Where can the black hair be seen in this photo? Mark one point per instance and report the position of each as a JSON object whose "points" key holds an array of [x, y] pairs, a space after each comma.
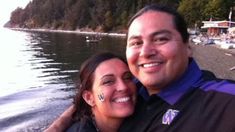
{"points": [[86, 79], [179, 21]]}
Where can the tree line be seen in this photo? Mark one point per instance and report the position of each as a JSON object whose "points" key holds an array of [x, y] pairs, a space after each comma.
{"points": [[108, 15]]}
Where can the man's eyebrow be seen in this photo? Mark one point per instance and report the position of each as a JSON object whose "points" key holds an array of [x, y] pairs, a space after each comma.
{"points": [[161, 32], [164, 31], [134, 37]]}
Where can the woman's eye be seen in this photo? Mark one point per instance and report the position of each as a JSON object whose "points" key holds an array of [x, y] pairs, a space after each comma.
{"points": [[108, 82], [128, 76]]}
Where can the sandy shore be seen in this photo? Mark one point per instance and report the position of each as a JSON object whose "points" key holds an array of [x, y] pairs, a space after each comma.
{"points": [[70, 31], [220, 61]]}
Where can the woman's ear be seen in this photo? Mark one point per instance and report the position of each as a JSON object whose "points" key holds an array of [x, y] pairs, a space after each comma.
{"points": [[88, 97]]}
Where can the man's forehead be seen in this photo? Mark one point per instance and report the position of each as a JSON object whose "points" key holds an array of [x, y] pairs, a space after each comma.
{"points": [[151, 18]]}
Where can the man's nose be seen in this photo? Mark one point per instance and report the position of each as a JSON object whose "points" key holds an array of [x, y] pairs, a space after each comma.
{"points": [[147, 49]]}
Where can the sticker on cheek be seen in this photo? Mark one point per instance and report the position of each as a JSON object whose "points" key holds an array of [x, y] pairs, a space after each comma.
{"points": [[101, 97]]}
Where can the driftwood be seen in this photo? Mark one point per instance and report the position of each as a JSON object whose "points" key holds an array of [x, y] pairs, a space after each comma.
{"points": [[232, 68]]}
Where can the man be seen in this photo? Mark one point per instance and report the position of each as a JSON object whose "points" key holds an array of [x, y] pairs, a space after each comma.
{"points": [[176, 95]]}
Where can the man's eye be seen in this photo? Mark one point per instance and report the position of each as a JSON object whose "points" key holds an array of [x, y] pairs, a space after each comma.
{"points": [[135, 43], [161, 40]]}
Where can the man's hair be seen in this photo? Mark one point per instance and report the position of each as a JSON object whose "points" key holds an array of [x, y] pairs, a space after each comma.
{"points": [[180, 24]]}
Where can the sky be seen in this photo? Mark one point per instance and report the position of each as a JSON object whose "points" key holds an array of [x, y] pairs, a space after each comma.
{"points": [[7, 6]]}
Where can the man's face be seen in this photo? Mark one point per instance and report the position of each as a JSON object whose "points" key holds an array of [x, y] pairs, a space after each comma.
{"points": [[155, 51]]}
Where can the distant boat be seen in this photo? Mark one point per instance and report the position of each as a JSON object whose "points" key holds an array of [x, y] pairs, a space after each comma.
{"points": [[232, 68], [92, 39], [196, 40], [202, 40], [225, 44]]}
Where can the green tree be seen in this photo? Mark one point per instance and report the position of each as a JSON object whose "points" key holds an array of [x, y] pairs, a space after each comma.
{"points": [[218, 9], [192, 10], [124, 18], [108, 25], [104, 15], [16, 16]]}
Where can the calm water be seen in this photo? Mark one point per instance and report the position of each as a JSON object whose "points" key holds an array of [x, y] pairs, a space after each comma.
{"points": [[38, 73]]}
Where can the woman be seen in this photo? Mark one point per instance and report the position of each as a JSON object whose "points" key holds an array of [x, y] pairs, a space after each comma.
{"points": [[106, 94]]}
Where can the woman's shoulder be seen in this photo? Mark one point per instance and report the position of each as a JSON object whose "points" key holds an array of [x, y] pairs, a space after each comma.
{"points": [[84, 126], [74, 127]]}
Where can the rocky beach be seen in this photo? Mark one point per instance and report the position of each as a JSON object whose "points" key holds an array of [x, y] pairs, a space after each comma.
{"points": [[219, 61]]}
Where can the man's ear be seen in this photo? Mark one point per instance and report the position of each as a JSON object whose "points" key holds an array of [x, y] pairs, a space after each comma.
{"points": [[189, 50], [88, 97]]}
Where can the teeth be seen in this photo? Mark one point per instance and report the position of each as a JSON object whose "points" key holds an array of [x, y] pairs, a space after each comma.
{"points": [[120, 100], [151, 64]]}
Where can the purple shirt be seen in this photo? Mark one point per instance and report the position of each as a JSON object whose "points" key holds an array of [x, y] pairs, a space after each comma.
{"points": [[192, 78]]}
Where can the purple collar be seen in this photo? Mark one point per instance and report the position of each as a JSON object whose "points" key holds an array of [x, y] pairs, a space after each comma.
{"points": [[173, 92]]}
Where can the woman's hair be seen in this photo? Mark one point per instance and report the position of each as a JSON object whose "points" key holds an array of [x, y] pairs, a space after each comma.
{"points": [[180, 24], [86, 80]]}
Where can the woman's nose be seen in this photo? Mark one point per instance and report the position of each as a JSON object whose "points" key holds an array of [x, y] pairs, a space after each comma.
{"points": [[122, 86]]}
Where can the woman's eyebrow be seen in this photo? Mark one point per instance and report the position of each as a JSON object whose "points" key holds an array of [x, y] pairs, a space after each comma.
{"points": [[107, 75]]}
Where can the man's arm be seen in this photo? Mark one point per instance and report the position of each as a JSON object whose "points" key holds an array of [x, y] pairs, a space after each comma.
{"points": [[63, 121]]}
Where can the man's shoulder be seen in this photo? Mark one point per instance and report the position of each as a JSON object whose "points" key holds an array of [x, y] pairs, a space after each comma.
{"points": [[212, 83]]}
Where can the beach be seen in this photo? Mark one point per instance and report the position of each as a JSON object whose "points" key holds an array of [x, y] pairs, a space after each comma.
{"points": [[212, 58], [70, 31]]}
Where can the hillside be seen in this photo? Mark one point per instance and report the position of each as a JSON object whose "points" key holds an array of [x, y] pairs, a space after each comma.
{"points": [[106, 15]]}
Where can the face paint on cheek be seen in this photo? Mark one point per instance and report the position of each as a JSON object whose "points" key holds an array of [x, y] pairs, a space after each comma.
{"points": [[101, 97]]}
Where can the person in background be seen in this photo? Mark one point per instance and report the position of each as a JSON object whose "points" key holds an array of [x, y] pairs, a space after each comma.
{"points": [[106, 94], [174, 94]]}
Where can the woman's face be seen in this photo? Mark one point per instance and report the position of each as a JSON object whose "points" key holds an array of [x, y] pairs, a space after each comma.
{"points": [[113, 92]]}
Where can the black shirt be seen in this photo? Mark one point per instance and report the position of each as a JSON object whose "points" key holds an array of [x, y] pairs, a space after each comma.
{"points": [[197, 102]]}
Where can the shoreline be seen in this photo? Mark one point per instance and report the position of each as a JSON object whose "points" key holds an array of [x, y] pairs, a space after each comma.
{"points": [[70, 31], [229, 51], [213, 58], [226, 52]]}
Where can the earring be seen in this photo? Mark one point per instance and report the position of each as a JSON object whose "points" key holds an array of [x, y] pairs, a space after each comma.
{"points": [[101, 97]]}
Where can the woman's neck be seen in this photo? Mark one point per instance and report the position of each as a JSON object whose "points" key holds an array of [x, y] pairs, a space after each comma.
{"points": [[107, 125]]}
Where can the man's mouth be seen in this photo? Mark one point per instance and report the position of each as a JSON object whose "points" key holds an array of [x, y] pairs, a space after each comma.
{"points": [[147, 65]]}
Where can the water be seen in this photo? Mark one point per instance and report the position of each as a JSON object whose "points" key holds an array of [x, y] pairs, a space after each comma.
{"points": [[38, 75], [38, 70]]}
